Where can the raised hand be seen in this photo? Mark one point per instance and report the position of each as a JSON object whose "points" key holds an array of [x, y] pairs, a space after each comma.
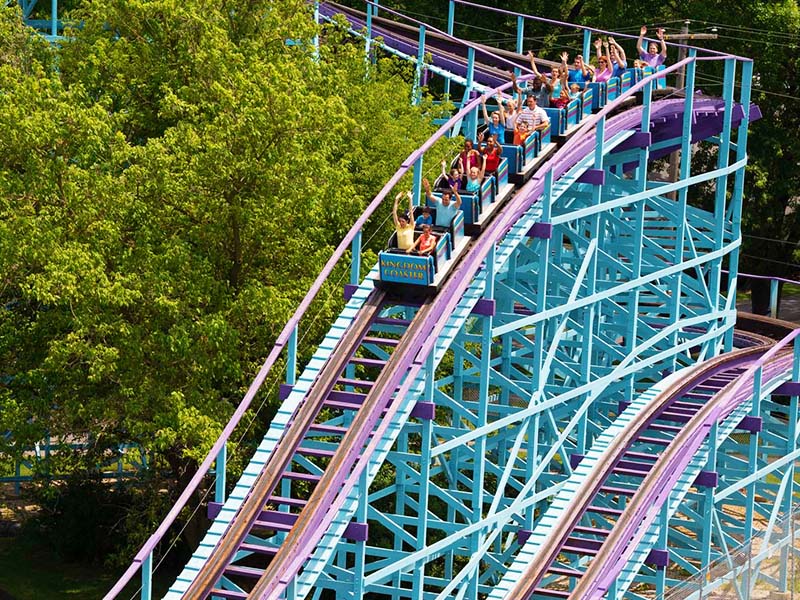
{"points": [[660, 33], [564, 57], [598, 43], [643, 30]]}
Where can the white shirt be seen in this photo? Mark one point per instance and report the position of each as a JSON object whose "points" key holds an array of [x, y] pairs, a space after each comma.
{"points": [[533, 117]]}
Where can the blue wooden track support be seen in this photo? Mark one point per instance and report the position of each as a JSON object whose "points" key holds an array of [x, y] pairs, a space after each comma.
{"points": [[453, 447]]}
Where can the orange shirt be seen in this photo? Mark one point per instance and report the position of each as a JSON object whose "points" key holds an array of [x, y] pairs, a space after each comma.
{"points": [[427, 243], [520, 136]]}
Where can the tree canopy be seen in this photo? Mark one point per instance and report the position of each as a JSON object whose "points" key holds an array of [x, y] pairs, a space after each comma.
{"points": [[172, 178]]}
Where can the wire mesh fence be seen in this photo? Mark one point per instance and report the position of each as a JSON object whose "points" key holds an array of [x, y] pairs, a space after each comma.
{"points": [[766, 567]]}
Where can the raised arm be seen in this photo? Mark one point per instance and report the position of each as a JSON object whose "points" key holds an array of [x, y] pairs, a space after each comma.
{"points": [[621, 58], [483, 108], [427, 185], [483, 167], [457, 196], [660, 35], [501, 109], [533, 64], [394, 210], [410, 206], [515, 85], [598, 47], [640, 42], [444, 168]]}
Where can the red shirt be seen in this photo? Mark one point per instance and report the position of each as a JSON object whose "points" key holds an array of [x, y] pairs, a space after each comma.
{"points": [[493, 157], [427, 243]]}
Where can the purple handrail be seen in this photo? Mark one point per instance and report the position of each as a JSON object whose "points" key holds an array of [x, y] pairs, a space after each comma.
{"points": [[445, 302], [478, 48], [768, 277], [585, 28], [646, 505]]}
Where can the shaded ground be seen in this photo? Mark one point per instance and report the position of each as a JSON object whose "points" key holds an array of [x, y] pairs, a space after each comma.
{"points": [[788, 308]]}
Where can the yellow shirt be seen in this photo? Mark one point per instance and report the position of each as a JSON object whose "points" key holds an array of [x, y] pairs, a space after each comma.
{"points": [[405, 237]]}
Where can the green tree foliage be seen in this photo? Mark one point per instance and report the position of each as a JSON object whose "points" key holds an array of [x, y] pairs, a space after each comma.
{"points": [[167, 195]]}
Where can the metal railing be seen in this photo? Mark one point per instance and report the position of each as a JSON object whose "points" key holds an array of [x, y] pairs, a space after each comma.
{"points": [[762, 567]]}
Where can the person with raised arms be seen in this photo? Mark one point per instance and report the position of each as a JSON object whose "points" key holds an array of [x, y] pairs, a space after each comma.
{"points": [[652, 57], [446, 208], [402, 222]]}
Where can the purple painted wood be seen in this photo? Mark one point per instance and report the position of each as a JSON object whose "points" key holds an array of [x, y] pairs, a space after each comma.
{"points": [[551, 593], [485, 307], [709, 479], [368, 362], [228, 594], [658, 558], [296, 502], [582, 544], [575, 460], [358, 383], [284, 390], [634, 467], [380, 341], [241, 571], [640, 139], [259, 549], [751, 424], [352, 398], [789, 388], [523, 535], [593, 176], [357, 532], [349, 290], [424, 410], [541, 230], [316, 452]]}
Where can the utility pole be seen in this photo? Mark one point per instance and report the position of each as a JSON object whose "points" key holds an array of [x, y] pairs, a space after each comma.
{"points": [[683, 36]]}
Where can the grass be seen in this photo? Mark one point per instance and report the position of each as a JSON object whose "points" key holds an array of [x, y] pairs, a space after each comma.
{"points": [[31, 572]]}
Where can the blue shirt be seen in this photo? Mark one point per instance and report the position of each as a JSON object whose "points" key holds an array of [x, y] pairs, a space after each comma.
{"points": [[577, 76], [445, 214], [499, 131], [423, 220]]}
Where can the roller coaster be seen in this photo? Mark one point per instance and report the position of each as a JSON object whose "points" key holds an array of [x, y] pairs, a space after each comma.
{"points": [[577, 413]]}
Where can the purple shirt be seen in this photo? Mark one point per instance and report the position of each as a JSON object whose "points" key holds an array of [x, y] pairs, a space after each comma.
{"points": [[603, 75], [652, 60]]}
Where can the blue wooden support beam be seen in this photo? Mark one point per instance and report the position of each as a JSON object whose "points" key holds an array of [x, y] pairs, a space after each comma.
{"points": [[416, 93]]}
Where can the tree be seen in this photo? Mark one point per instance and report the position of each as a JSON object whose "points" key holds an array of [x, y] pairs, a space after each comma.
{"points": [[166, 197]]}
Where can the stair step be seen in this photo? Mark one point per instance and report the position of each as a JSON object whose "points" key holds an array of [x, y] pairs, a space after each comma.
{"points": [[380, 341], [296, 502], [228, 594], [359, 383], [551, 593], [316, 452], [604, 510], [244, 571]]}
